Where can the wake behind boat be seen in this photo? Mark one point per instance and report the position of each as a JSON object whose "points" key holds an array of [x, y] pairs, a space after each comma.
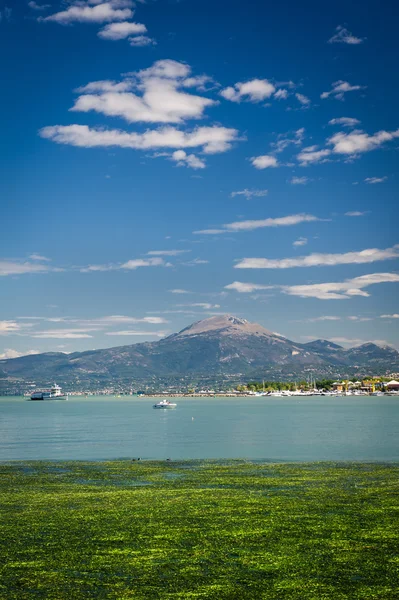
{"points": [[165, 404], [54, 393]]}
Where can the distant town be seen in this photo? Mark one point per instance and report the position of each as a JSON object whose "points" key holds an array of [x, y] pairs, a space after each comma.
{"points": [[375, 385]]}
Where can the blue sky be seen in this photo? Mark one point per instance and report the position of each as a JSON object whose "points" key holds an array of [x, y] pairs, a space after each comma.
{"points": [[167, 161]]}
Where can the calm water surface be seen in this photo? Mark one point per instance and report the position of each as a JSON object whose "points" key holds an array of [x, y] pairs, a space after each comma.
{"points": [[275, 429]]}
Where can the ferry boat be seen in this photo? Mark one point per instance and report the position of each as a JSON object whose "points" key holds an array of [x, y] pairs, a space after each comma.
{"points": [[165, 404], [54, 393]]}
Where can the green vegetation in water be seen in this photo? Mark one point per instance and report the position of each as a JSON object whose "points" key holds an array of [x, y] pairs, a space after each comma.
{"points": [[199, 530]]}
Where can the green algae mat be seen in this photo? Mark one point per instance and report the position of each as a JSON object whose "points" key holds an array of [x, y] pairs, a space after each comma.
{"points": [[199, 529]]}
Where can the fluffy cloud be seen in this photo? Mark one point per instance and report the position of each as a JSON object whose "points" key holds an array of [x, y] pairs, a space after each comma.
{"points": [[160, 98], [343, 36], [119, 31], [167, 252], [142, 40], [248, 194], [344, 121], [304, 100], [187, 160], [129, 265], [323, 291], [7, 327], [39, 257], [281, 94], [341, 290], [21, 268], [257, 224], [373, 180], [299, 180], [93, 12], [35, 6], [340, 88], [255, 90], [264, 162], [62, 334], [317, 259], [309, 156], [358, 141], [212, 139], [302, 241], [355, 213], [287, 139], [247, 288], [10, 353]]}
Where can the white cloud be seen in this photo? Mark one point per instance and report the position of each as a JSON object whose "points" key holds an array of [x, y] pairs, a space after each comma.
{"points": [[317, 259], [212, 139], [128, 265], [162, 99], [199, 81], [39, 257], [167, 252], [143, 262], [304, 100], [393, 316], [142, 40], [264, 162], [255, 90], [99, 13], [188, 160], [195, 262], [310, 156], [105, 85], [281, 94], [343, 36], [287, 139], [340, 88], [118, 319], [10, 353], [341, 290], [119, 31], [373, 180], [35, 6], [323, 291], [257, 224], [210, 231], [302, 241], [324, 318], [204, 305], [358, 141], [344, 121], [128, 332], [7, 327], [350, 144], [245, 288], [179, 291], [248, 194], [21, 268], [300, 180], [60, 334], [355, 213]]}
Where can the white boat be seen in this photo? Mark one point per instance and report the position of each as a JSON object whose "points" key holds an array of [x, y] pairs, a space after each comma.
{"points": [[165, 404], [54, 393]]}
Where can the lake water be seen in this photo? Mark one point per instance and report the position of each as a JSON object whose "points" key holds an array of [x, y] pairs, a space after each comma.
{"points": [[273, 429]]}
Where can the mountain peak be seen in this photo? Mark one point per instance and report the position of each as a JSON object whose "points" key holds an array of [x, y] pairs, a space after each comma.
{"points": [[224, 325]]}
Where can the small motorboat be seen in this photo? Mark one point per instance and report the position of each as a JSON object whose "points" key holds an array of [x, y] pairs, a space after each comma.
{"points": [[165, 404]]}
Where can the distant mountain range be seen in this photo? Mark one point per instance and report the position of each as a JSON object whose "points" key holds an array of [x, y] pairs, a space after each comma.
{"points": [[222, 349]]}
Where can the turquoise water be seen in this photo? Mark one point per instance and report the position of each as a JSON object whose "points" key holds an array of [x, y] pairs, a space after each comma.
{"points": [[275, 429]]}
